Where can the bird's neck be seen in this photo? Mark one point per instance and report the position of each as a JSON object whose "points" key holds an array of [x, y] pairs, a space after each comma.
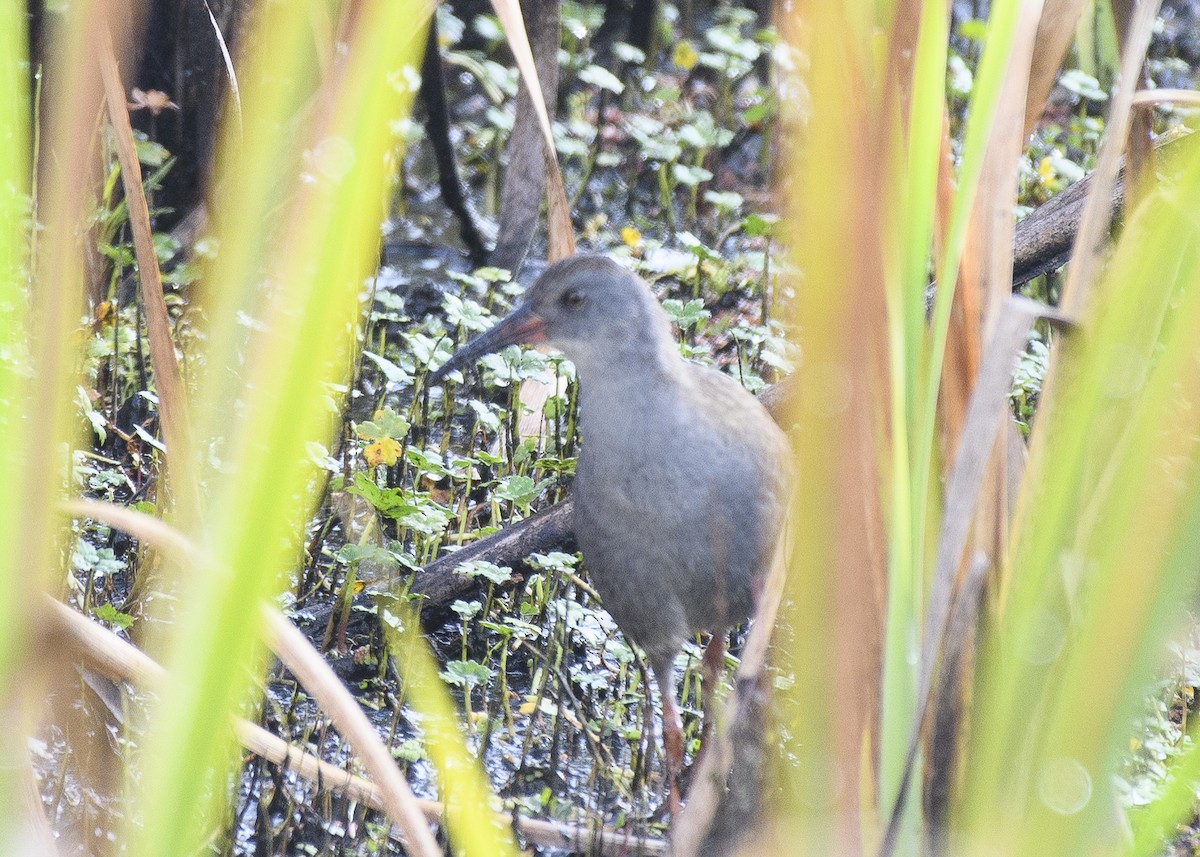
{"points": [[626, 406], [626, 371]]}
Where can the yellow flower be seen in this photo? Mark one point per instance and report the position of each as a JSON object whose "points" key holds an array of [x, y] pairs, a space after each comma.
{"points": [[106, 313], [685, 55], [1045, 170], [386, 450], [631, 237]]}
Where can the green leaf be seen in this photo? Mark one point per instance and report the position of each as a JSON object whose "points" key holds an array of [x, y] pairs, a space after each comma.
{"points": [[487, 417], [413, 510], [628, 53], [689, 175], [487, 570], [395, 425], [466, 313], [973, 29], [466, 674], [519, 489], [395, 374], [1083, 85], [466, 610], [165, 247], [724, 201], [686, 315], [602, 78], [758, 225], [428, 460], [107, 613], [488, 26], [87, 558], [150, 153], [554, 561]]}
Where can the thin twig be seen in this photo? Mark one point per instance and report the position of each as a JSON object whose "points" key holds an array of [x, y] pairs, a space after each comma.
{"points": [[1158, 96]]}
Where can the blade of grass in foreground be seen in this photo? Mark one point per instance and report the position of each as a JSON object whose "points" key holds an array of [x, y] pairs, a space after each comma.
{"points": [[836, 169], [464, 787], [912, 508], [41, 300], [985, 96], [15, 217], [915, 172], [42, 420], [302, 197]]}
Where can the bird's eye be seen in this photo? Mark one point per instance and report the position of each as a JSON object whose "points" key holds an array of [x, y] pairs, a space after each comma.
{"points": [[573, 298]]}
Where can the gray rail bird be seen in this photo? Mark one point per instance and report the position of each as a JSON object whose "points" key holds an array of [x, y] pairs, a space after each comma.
{"points": [[681, 480]]}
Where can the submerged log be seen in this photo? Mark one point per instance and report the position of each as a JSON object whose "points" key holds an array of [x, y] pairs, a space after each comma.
{"points": [[548, 530]]}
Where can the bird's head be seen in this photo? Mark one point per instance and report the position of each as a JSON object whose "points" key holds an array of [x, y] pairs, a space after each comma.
{"points": [[590, 308]]}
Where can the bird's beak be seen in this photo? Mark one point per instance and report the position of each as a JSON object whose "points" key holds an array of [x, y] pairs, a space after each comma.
{"points": [[519, 326]]}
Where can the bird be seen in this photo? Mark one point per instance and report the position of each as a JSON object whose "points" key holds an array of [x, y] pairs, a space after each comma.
{"points": [[682, 477]]}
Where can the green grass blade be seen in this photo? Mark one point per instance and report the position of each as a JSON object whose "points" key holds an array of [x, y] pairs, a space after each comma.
{"points": [[463, 785], [916, 171], [981, 115]]}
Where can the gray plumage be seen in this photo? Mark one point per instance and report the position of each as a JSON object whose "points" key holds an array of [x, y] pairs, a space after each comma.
{"points": [[681, 480]]}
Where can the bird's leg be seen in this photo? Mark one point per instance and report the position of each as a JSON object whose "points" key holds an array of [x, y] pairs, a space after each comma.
{"points": [[672, 732], [714, 661], [673, 744]]}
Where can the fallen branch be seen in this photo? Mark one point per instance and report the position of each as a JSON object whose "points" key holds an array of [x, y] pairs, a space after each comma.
{"points": [[1043, 238], [550, 529]]}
